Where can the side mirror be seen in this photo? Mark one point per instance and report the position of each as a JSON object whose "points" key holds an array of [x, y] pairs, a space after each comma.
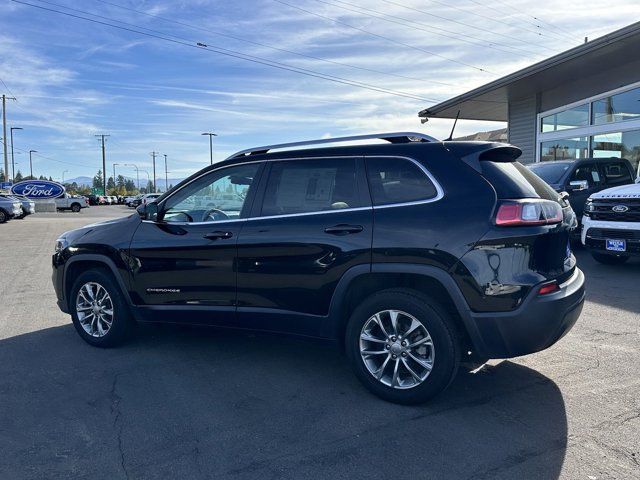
{"points": [[148, 211], [578, 185]]}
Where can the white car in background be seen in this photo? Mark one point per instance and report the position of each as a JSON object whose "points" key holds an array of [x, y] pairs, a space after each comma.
{"points": [[611, 224]]}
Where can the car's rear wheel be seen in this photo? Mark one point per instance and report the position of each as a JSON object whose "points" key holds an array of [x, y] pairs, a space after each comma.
{"points": [[3, 216], [402, 346], [609, 259], [75, 208], [99, 312]]}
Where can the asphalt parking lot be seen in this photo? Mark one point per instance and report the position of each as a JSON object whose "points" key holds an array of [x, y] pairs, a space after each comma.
{"points": [[196, 403]]}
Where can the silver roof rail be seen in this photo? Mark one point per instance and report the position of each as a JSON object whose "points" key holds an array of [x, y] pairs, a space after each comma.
{"points": [[395, 137]]}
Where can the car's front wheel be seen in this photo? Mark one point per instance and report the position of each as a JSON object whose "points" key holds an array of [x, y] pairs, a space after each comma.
{"points": [[403, 346], [609, 259], [3, 216], [75, 208], [99, 312]]}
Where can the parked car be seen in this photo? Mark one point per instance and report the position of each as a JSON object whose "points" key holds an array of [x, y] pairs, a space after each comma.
{"points": [[93, 200], [74, 203], [611, 224], [27, 205], [129, 199], [9, 208], [411, 254], [149, 197], [585, 177]]}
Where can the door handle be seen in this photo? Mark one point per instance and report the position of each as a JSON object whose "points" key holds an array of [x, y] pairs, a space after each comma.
{"points": [[343, 229], [217, 235]]}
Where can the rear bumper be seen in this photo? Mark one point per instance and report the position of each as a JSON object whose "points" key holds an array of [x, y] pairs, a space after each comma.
{"points": [[537, 324]]}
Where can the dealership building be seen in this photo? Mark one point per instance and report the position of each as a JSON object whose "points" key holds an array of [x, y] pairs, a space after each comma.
{"points": [[584, 102]]}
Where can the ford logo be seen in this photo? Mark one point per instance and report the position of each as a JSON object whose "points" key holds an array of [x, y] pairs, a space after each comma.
{"points": [[36, 189], [620, 208]]}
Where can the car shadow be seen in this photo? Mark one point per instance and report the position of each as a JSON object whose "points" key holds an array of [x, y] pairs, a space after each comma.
{"points": [[202, 403]]}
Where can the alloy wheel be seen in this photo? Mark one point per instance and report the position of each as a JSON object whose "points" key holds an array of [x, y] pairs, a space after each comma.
{"points": [[94, 308], [397, 349]]}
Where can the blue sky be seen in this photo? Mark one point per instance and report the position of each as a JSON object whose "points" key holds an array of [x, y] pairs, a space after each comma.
{"points": [[74, 79]]}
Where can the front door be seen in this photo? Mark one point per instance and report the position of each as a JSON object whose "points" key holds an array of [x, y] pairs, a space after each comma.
{"points": [[586, 172], [313, 224], [185, 260]]}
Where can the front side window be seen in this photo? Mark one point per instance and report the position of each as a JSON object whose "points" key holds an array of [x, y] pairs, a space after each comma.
{"points": [[587, 172], [217, 196], [398, 180], [306, 186]]}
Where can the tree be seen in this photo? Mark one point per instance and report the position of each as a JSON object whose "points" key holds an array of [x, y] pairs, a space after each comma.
{"points": [[149, 186], [130, 186], [18, 177], [111, 186], [97, 180], [120, 182], [2, 179]]}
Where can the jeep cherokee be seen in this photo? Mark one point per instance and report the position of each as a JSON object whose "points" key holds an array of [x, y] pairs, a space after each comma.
{"points": [[414, 254]]}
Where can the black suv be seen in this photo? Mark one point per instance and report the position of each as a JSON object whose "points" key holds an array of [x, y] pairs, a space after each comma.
{"points": [[415, 255], [582, 178]]}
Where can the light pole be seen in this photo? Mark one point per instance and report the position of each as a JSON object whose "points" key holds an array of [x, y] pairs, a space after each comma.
{"points": [[63, 172], [211, 135], [137, 173], [13, 165], [148, 179], [31, 163], [166, 176], [114, 174]]}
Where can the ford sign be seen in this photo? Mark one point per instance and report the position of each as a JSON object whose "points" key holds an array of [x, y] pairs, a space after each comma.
{"points": [[620, 208], [38, 189]]}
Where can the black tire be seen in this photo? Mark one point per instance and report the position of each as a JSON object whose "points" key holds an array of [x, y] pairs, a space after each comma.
{"points": [[75, 208], [3, 216], [440, 327], [609, 259], [122, 324]]}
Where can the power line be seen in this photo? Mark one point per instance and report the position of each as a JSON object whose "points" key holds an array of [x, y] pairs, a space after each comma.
{"points": [[413, 47], [475, 27], [227, 52], [409, 23], [279, 49], [558, 35]]}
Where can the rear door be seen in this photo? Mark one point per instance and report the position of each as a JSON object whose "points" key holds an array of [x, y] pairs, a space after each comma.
{"points": [[313, 224]]}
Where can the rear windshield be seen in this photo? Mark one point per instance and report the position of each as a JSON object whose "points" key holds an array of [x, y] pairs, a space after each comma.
{"points": [[514, 180], [550, 172]]}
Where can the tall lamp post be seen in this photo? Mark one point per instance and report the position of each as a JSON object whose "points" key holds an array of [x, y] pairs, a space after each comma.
{"points": [[31, 163], [148, 179], [114, 173], [137, 173], [13, 165], [211, 135], [166, 175], [63, 172]]}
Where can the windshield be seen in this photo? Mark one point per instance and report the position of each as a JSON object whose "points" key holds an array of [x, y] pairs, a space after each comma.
{"points": [[550, 172]]}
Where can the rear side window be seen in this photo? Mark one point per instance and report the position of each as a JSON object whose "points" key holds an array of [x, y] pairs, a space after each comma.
{"points": [[616, 173], [514, 180], [306, 186], [397, 180]]}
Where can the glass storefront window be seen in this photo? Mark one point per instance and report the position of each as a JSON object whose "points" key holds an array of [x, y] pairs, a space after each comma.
{"points": [[617, 108], [565, 149], [619, 145], [571, 118]]}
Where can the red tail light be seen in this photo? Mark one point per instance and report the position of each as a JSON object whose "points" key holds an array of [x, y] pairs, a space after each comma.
{"points": [[528, 212], [548, 288]]}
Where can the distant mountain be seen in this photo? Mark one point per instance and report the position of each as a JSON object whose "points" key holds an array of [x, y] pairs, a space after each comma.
{"points": [[88, 181]]}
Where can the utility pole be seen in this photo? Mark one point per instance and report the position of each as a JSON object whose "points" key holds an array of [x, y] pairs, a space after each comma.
{"points": [[13, 164], [4, 135], [31, 163], [153, 154], [211, 135], [104, 164], [166, 176]]}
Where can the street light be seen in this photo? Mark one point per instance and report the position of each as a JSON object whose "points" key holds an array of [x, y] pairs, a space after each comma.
{"points": [[114, 173], [31, 163], [166, 175], [137, 173], [63, 172], [148, 180], [13, 165], [211, 135]]}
